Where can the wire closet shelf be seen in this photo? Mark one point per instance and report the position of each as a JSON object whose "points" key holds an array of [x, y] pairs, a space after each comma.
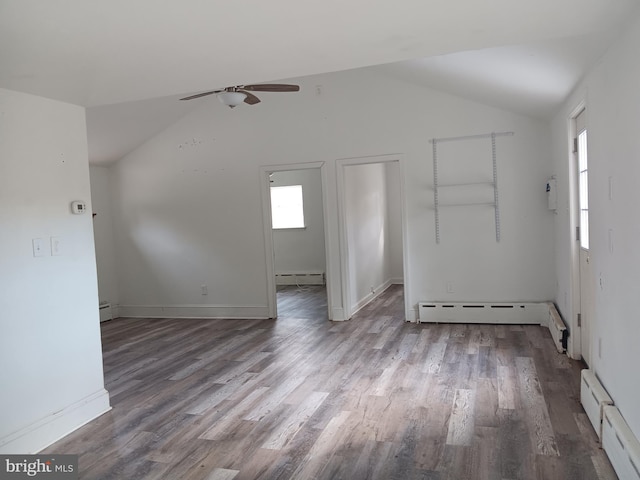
{"points": [[437, 186]]}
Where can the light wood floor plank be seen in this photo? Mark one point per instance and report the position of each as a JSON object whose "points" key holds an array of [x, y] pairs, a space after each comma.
{"points": [[222, 474], [220, 394], [535, 407], [233, 415], [281, 436], [323, 449], [434, 359], [275, 396], [507, 388], [461, 422]]}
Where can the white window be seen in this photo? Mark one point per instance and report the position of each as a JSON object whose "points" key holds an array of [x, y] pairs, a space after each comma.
{"points": [[286, 207], [583, 176]]}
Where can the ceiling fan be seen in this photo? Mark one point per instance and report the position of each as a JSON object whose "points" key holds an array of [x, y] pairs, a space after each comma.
{"points": [[234, 96]]}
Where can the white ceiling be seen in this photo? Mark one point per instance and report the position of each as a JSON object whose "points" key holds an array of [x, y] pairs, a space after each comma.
{"points": [[532, 79], [129, 60]]}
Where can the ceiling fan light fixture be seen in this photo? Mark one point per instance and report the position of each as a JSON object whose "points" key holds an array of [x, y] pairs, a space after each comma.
{"points": [[231, 99]]}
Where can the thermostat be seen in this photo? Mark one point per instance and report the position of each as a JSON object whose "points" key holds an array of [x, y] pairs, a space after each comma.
{"points": [[78, 207]]}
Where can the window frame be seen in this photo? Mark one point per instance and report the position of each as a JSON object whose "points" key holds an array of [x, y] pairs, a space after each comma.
{"points": [[583, 187]]}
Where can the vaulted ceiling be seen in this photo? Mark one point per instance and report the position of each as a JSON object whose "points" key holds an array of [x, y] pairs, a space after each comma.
{"points": [[127, 59]]}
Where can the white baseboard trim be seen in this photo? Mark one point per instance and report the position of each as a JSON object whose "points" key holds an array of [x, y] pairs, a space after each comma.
{"points": [[397, 281], [250, 312], [362, 302], [377, 291], [42, 433]]}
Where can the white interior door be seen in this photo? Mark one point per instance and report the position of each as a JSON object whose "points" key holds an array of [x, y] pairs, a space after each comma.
{"points": [[587, 306]]}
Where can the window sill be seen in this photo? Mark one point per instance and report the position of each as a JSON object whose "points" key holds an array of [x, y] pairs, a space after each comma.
{"points": [[289, 229]]}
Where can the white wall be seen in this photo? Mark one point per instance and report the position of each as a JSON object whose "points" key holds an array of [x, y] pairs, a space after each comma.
{"points": [[187, 204], [106, 257], [394, 218], [301, 250], [367, 231], [50, 352], [613, 120]]}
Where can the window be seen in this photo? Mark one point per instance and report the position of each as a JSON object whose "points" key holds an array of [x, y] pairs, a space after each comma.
{"points": [[583, 177], [286, 207]]}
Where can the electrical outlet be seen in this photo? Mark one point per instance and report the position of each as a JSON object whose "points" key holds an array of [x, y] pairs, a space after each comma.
{"points": [[449, 287], [205, 289]]}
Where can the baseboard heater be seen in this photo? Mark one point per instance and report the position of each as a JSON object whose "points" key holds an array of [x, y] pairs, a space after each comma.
{"points": [[620, 445], [300, 278], [493, 313], [594, 398], [558, 329], [106, 312]]}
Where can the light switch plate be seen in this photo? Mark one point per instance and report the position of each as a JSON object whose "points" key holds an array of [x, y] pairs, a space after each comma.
{"points": [[56, 246], [38, 249]]}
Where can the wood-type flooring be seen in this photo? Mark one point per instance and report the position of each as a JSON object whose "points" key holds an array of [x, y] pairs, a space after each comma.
{"points": [[304, 398]]}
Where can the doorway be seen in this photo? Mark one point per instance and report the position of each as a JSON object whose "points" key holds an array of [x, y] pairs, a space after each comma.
{"points": [[582, 259], [295, 240], [372, 228], [586, 272]]}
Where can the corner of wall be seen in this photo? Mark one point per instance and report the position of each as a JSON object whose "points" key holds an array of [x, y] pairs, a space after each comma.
{"points": [[42, 433]]}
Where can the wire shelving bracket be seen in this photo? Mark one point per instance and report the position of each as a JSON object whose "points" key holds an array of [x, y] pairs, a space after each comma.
{"points": [[437, 186]]}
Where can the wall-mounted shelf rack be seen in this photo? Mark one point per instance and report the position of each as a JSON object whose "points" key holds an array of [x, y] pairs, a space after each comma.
{"points": [[470, 204], [466, 184], [438, 186]]}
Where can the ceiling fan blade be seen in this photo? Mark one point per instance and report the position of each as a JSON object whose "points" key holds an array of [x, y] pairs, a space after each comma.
{"points": [[271, 87], [201, 95], [250, 99]]}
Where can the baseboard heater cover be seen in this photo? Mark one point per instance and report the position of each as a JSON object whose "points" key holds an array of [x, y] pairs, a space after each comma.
{"points": [[594, 398], [558, 329], [106, 312], [300, 278], [620, 444], [481, 312]]}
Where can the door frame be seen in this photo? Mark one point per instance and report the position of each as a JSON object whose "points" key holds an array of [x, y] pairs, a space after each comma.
{"points": [[265, 192], [574, 349], [341, 164]]}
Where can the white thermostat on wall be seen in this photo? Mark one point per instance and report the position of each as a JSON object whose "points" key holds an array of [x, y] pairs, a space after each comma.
{"points": [[78, 207]]}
